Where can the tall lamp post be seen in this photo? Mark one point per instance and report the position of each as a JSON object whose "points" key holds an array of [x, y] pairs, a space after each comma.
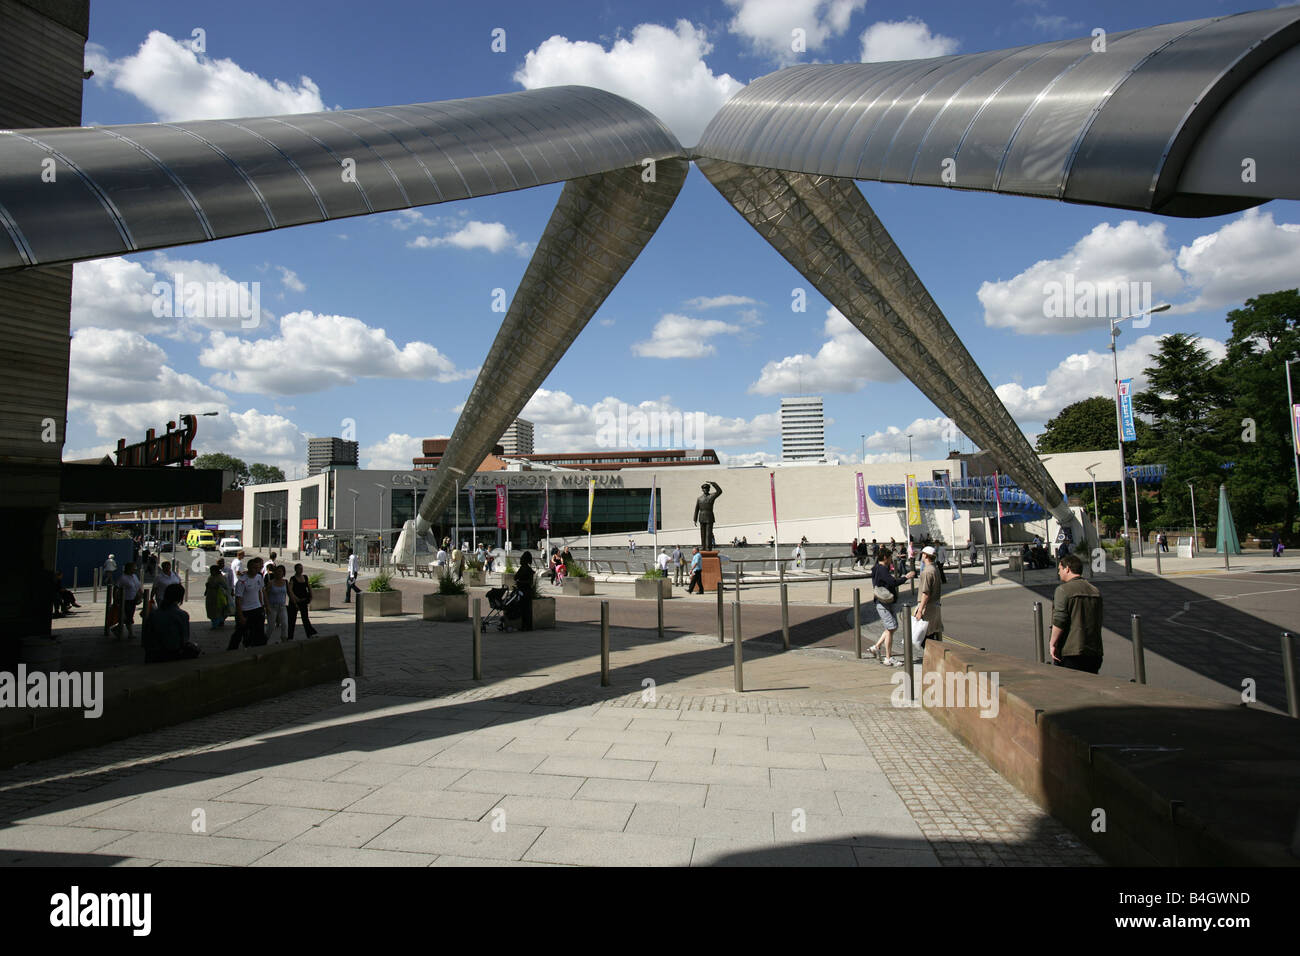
{"points": [[257, 515], [382, 522], [909, 447], [1137, 514], [1119, 420], [355, 495], [1096, 514], [1192, 488]]}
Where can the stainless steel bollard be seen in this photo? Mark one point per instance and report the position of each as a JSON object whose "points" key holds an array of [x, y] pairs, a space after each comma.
{"points": [[1225, 558], [785, 618], [359, 630], [1039, 650], [1158, 571], [738, 647], [857, 623], [659, 606], [1139, 656], [1022, 571], [604, 643], [780, 570], [905, 625], [988, 564], [737, 582], [961, 578], [722, 637], [477, 642], [830, 584], [1128, 558], [1288, 674]]}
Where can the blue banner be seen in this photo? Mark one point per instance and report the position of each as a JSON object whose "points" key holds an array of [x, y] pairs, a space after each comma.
{"points": [[947, 487], [1126, 409], [650, 522]]}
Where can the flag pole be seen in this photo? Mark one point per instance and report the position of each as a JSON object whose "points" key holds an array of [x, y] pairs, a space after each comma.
{"points": [[547, 492]]}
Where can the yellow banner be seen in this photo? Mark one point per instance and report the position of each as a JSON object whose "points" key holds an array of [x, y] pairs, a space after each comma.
{"points": [[913, 502], [591, 504]]}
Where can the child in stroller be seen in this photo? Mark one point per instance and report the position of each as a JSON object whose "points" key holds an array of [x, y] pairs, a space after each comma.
{"points": [[505, 608]]}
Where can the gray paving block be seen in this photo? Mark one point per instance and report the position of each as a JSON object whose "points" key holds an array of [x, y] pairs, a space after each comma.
{"points": [[484, 760], [668, 820], [853, 830], [536, 731], [836, 745], [710, 852], [700, 755], [536, 784], [642, 791], [848, 780], [717, 741], [428, 778], [467, 861], [562, 748], [190, 848], [644, 738], [772, 800], [275, 824], [557, 812], [347, 828], [170, 815], [597, 767], [851, 762], [670, 771], [372, 774], [457, 838], [435, 803], [587, 848], [311, 768], [57, 839], [306, 854], [776, 759], [318, 795], [873, 802]]}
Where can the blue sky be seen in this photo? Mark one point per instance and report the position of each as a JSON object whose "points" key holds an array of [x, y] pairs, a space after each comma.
{"points": [[384, 319]]}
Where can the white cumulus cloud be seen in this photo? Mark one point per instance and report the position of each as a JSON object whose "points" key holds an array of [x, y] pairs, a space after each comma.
{"points": [[845, 363], [719, 301], [492, 236], [770, 25], [661, 69], [394, 452], [680, 336], [909, 39], [1246, 257], [177, 83]]}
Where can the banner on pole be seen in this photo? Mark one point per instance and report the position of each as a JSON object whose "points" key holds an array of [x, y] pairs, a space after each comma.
{"points": [[501, 506], [1126, 409], [472, 522], [546, 508], [1295, 416], [864, 519], [913, 502], [591, 504], [772, 477], [947, 487], [997, 495], [650, 521]]}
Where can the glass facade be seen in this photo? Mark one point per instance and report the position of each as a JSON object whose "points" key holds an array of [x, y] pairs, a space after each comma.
{"points": [[616, 511]]}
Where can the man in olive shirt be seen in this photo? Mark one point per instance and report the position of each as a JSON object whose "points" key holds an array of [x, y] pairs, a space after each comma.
{"points": [[1076, 619]]}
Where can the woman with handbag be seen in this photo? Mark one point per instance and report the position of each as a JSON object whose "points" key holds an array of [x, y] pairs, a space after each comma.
{"points": [[885, 586]]}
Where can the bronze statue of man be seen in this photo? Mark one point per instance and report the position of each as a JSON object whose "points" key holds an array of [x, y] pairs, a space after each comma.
{"points": [[704, 513]]}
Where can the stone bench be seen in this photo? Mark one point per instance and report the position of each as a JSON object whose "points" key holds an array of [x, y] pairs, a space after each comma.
{"points": [[143, 697], [1182, 781]]}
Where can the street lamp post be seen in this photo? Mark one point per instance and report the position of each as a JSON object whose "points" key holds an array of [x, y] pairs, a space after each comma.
{"points": [[1119, 420], [863, 459], [355, 495], [1137, 514], [1192, 488], [381, 521], [909, 447], [1096, 513]]}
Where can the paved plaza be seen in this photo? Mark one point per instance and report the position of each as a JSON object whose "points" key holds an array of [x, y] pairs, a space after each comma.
{"points": [[538, 764]]}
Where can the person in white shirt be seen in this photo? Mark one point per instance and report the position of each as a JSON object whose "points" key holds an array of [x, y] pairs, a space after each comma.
{"points": [[130, 586], [250, 605], [662, 561], [798, 555], [354, 566], [440, 559], [237, 567], [164, 577]]}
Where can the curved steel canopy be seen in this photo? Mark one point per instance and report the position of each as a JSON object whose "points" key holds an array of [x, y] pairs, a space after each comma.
{"points": [[122, 189], [1056, 120]]}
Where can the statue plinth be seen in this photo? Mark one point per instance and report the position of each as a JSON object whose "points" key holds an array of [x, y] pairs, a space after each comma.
{"points": [[710, 571]]}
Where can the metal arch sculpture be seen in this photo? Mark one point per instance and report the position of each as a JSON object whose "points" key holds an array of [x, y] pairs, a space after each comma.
{"points": [[1143, 125]]}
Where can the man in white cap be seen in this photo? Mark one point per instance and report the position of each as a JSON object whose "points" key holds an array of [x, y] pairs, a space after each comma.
{"points": [[930, 590]]}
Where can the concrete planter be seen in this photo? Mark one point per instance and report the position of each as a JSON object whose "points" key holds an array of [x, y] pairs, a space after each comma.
{"points": [[543, 613], [645, 588], [473, 579], [446, 607], [507, 579], [321, 599], [579, 587], [380, 603]]}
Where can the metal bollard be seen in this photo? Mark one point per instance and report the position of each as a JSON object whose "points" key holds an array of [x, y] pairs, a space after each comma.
{"points": [[857, 623], [905, 625], [830, 584], [988, 565], [722, 637], [1128, 558], [604, 643], [659, 602], [737, 582], [477, 631], [1139, 656], [780, 570], [785, 619], [1158, 571], [738, 647], [961, 578], [1039, 650], [1022, 571], [359, 630], [1225, 558], [1288, 674], [187, 582]]}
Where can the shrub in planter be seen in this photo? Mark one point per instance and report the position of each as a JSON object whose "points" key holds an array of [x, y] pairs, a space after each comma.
{"points": [[451, 603], [381, 599], [651, 582]]}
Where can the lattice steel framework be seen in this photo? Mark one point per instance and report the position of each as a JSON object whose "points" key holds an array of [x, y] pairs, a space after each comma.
{"points": [[824, 227]]}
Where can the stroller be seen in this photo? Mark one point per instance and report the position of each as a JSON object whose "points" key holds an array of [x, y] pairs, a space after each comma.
{"points": [[505, 607]]}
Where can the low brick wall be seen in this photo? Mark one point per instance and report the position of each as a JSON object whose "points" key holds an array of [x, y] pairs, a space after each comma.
{"points": [[1181, 781], [144, 697]]}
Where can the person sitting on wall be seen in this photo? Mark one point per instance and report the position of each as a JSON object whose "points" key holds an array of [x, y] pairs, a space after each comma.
{"points": [[166, 632]]}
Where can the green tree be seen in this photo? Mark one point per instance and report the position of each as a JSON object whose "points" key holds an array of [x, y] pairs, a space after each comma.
{"points": [[1255, 429], [220, 461], [260, 474], [1088, 425]]}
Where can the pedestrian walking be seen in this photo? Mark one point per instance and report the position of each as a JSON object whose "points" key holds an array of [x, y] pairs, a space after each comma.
{"points": [[165, 577], [216, 604], [930, 593], [277, 605], [1076, 619], [300, 601], [129, 583], [679, 565], [354, 567], [250, 607], [662, 562], [885, 586], [697, 572]]}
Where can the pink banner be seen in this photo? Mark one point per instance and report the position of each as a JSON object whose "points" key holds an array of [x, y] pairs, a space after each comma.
{"points": [[501, 506], [864, 519], [1295, 413], [772, 476]]}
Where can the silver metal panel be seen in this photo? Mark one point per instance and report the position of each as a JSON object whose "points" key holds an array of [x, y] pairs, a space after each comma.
{"points": [[152, 185], [893, 114]]}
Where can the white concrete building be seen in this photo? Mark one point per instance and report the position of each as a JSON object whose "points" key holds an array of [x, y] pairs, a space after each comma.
{"points": [[803, 429]]}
